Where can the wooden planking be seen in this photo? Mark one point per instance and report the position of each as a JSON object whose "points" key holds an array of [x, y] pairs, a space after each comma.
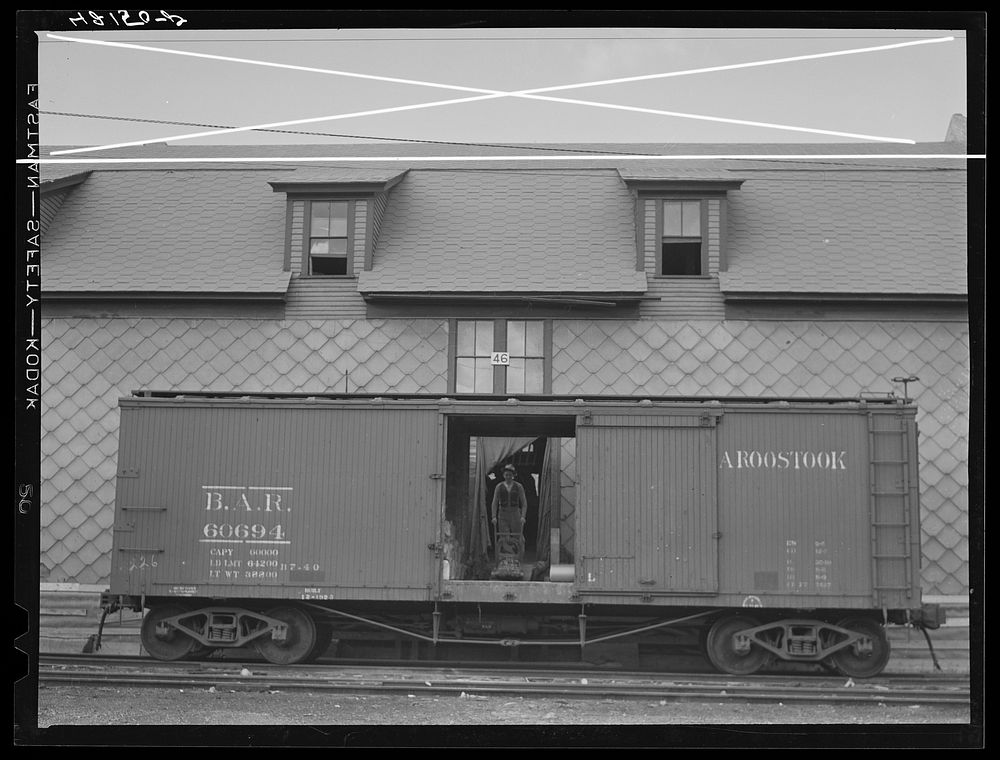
{"points": [[297, 239], [358, 505], [790, 527], [682, 297], [647, 511], [324, 298], [50, 203]]}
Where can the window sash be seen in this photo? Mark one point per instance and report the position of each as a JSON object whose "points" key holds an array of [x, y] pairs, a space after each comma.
{"points": [[525, 342], [681, 226], [328, 241]]}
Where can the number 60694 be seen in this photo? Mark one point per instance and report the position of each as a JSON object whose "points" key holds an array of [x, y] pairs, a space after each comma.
{"points": [[225, 530]]}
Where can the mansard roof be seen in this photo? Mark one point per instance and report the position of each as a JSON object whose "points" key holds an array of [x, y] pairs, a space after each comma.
{"points": [[501, 231], [164, 230], [896, 231], [207, 220]]}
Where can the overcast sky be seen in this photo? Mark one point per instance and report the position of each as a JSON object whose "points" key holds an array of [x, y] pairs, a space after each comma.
{"points": [[902, 92]]}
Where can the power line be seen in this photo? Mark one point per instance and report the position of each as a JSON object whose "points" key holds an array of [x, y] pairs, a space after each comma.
{"points": [[331, 134], [789, 166]]}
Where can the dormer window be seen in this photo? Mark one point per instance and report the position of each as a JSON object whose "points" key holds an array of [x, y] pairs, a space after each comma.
{"points": [[682, 245], [328, 250], [680, 221], [332, 219]]}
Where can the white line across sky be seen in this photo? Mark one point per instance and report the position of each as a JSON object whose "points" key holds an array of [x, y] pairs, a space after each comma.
{"points": [[493, 94], [475, 159]]}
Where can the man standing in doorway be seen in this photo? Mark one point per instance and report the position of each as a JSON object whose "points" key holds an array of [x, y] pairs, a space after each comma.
{"points": [[509, 509]]}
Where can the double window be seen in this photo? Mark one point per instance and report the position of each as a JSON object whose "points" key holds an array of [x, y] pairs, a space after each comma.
{"points": [[682, 243], [501, 356], [329, 240]]}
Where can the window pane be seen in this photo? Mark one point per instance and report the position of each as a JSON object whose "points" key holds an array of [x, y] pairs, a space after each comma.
{"points": [[465, 376], [515, 338], [484, 338], [466, 338], [334, 246], [515, 376], [534, 371], [338, 219], [672, 218], [320, 224], [484, 376], [328, 265], [681, 258], [691, 226], [534, 339]]}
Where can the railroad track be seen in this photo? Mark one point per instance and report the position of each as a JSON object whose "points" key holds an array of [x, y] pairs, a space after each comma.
{"points": [[469, 681]]}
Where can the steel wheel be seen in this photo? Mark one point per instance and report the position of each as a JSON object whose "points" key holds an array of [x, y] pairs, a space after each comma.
{"points": [[864, 658], [201, 652], [298, 642], [324, 636], [162, 641], [727, 654]]}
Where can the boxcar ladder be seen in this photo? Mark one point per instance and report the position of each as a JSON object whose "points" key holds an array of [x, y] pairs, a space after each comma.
{"points": [[890, 479]]}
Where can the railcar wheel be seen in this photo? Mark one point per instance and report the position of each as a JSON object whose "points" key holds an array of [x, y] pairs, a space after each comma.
{"points": [[866, 657], [738, 657], [324, 636], [200, 652], [299, 640], [163, 641]]}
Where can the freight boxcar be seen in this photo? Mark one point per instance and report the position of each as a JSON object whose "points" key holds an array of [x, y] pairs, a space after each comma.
{"points": [[780, 530]]}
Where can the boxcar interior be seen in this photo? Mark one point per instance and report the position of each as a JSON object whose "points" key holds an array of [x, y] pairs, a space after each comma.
{"points": [[478, 448]]}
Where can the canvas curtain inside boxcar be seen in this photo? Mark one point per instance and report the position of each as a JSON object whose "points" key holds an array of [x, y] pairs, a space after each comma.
{"points": [[489, 453], [546, 494]]}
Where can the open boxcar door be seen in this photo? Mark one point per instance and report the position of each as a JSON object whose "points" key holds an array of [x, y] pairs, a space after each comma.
{"points": [[647, 515]]}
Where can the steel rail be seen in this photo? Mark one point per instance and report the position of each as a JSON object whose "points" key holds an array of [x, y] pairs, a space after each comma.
{"points": [[504, 684], [535, 671]]}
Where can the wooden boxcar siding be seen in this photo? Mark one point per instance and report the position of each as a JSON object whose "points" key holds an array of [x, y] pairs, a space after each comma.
{"points": [[682, 297], [359, 510], [788, 530], [646, 510]]}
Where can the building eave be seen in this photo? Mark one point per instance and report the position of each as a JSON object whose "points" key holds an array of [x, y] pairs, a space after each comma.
{"points": [[327, 187], [52, 185], [841, 297], [608, 300], [148, 295]]}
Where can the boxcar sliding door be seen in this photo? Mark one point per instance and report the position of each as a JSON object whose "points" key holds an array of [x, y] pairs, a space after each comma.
{"points": [[646, 514]]}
